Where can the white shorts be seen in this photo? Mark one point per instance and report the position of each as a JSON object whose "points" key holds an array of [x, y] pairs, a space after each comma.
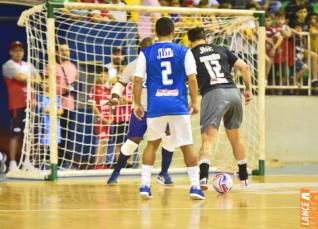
{"points": [[180, 129]]}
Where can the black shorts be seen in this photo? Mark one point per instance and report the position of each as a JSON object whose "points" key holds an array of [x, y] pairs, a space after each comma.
{"points": [[118, 132], [17, 121]]}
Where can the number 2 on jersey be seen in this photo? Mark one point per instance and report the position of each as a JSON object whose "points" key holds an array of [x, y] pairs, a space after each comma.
{"points": [[166, 71]]}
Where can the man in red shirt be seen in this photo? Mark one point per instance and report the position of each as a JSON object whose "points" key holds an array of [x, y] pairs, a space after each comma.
{"points": [[16, 72]]}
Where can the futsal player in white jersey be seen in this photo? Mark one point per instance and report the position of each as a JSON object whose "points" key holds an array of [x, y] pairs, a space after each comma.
{"points": [[167, 66], [137, 128]]}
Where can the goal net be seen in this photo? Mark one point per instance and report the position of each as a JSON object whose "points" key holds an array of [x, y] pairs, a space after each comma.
{"points": [[80, 50]]}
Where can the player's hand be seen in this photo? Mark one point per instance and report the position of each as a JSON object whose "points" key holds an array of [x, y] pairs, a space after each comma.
{"points": [[248, 96], [194, 109], [139, 111]]}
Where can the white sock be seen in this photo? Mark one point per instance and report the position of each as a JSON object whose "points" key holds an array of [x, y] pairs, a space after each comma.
{"points": [[13, 163], [242, 162], [146, 175], [193, 173]]}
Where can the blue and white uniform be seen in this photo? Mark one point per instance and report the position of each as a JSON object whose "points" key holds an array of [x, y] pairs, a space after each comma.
{"points": [[165, 67]]}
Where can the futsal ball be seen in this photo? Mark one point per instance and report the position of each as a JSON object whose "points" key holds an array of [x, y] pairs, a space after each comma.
{"points": [[222, 183]]}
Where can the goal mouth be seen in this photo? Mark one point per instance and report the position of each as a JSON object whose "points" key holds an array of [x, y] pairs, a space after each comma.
{"points": [[78, 147]]}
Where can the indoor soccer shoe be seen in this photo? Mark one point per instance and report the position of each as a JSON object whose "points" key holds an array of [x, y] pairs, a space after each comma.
{"points": [[196, 193], [164, 178], [204, 184], [145, 192], [244, 183], [113, 178]]}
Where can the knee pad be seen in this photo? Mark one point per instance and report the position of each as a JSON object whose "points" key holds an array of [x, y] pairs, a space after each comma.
{"points": [[128, 148]]}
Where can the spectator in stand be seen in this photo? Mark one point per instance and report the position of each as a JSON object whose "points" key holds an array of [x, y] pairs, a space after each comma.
{"points": [[292, 6], [94, 15], [120, 16], [99, 97], [273, 41], [280, 57], [146, 20], [209, 3], [16, 72], [313, 29], [302, 20], [300, 17], [271, 6], [297, 46], [43, 109], [66, 76]]}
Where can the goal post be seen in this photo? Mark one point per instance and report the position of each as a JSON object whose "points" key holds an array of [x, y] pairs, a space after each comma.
{"points": [[92, 45]]}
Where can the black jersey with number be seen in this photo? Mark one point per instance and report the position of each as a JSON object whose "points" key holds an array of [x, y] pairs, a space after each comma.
{"points": [[214, 65]]}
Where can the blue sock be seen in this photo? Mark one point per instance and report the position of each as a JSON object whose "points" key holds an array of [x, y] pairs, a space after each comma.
{"points": [[166, 160], [121, 163]]}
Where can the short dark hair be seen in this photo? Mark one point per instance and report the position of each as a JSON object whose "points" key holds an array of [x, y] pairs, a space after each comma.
{"points": [[301, 7], [164, 26], [280, 13], [196, 34]]}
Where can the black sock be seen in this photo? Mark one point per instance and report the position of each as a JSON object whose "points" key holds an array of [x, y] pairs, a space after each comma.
{"points": [[166, 160], [204, 169], [121, 163], [243, 175]]}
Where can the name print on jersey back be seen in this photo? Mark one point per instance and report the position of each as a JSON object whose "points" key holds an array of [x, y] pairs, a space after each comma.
{"points": [[214, 64], [164, 53]]}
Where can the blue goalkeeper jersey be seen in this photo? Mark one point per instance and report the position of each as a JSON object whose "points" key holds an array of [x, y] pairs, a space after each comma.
{"points": [[166, 79]]}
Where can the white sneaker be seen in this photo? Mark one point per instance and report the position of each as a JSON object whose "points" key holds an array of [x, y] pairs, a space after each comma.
{"points": [[244, 183], [204, 184]]}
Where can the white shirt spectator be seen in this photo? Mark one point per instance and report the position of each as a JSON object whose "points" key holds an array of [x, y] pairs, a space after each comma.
{"points": [[120, 16]]}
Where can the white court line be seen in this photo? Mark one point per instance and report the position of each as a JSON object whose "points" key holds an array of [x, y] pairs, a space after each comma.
{"points": [[142, 209]]}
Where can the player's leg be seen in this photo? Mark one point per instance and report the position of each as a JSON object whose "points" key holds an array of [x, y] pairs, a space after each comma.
{"points": [[183, 139], [167, 153], [155, 132], [213, 107], [239, 153], [232, 122], [136, 131], [208, 139]]}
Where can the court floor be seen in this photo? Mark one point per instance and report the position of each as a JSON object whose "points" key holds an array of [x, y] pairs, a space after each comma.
{"points": [[269, 202]]}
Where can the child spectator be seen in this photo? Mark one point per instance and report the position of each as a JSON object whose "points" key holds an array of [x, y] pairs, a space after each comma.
{"points": [[299, 66], [99, 97], [291, 8], [119, 127], [273, 41], [43, 108], [313, 29], [280, 57], [301, 18]]}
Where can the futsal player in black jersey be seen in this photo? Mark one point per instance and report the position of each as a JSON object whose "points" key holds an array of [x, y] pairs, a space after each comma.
{"points": [[220, 99]]}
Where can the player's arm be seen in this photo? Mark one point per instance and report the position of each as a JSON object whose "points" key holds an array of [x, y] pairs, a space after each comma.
{"points": [[138, 80], [193, 91], [120, 86], [245, 71], [191, 71]]}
